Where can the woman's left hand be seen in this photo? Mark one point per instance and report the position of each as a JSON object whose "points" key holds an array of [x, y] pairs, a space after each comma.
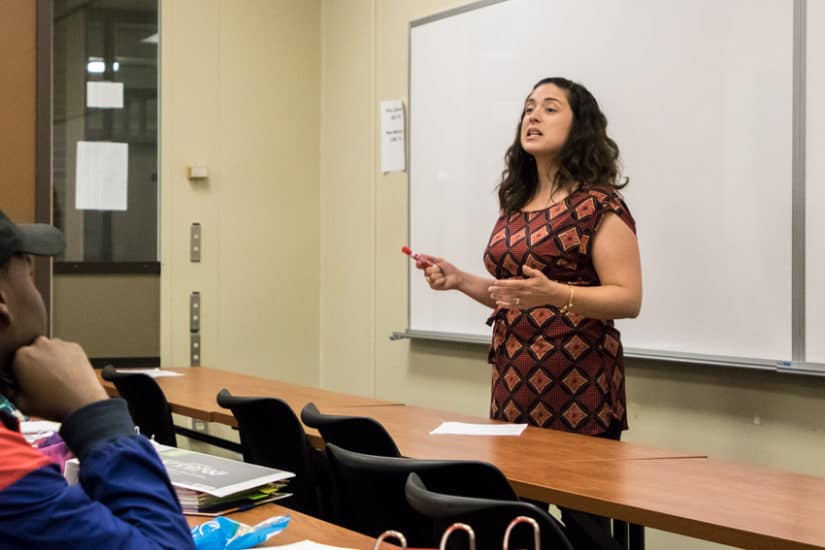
{"points": [[533, 290]]}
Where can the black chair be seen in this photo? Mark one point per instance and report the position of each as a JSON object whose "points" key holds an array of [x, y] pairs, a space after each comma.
{"points": [[489, 518], [271, 435], [370, 491], [360, 434], [147, 405]]}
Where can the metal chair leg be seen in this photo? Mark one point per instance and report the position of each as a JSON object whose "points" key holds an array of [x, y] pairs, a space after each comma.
{"points": [[620, 533]]}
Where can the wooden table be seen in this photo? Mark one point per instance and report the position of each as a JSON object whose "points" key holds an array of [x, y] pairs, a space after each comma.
{"points": [[683, 493], [301, 527], [194, 393], [410, 427], [735, 504]]}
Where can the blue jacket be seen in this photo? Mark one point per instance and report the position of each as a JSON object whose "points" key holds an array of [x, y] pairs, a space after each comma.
{"points": [[124, 499]]}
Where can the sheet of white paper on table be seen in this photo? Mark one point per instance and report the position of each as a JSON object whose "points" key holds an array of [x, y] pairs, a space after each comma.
{"points": [[154, 373], [464, 428], [310, 545]]}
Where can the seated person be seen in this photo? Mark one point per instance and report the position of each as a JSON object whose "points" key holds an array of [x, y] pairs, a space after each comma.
{"points": [[124, 499]]}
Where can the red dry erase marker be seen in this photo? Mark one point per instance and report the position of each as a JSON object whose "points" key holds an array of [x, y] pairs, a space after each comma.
{"points": [[415, 255]]}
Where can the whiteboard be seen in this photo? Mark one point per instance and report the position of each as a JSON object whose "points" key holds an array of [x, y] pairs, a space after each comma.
{"points": [[698, 96], [815, 185]]}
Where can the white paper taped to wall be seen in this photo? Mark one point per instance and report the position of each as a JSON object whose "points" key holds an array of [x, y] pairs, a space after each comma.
{"points": [[101, 177], [393, 153], [104, 95]]}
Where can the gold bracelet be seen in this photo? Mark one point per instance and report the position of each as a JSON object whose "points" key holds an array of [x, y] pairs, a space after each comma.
{"points": [[569, 306]]}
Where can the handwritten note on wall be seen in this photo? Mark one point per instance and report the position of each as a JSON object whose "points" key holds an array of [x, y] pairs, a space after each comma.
{"points": [[393, 153]]}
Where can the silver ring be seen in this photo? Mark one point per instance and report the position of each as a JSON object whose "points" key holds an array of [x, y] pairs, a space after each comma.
{"points": [[517, 301]]}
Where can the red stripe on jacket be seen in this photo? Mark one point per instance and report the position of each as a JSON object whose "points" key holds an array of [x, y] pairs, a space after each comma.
{"points": [[17, 457]]}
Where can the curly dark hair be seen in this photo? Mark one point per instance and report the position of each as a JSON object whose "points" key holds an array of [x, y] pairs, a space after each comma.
{"points": [[588, 159]]}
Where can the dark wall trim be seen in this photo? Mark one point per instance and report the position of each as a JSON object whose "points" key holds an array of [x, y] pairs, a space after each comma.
{"points": [[107, 268], [125, 362], [43, 138]]}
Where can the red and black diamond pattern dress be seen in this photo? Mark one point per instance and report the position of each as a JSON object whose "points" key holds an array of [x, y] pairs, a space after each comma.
{"points": [[554, 370]]}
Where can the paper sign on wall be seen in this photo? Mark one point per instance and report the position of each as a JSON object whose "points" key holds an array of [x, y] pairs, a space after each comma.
{"points": [[393, 154], [104, 95], [102, 175]]}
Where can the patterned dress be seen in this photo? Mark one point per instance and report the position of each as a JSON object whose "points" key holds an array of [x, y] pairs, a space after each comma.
{"points": [[554, 370]]}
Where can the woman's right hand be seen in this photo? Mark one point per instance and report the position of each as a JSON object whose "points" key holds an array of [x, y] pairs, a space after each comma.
{"points": [[439, 273]]}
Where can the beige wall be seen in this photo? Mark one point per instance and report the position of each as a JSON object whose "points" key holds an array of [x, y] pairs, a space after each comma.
{"points": [[747, 416], [348, 117], [240, 93]]}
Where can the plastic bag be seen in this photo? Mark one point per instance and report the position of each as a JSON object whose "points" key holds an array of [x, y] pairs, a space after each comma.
{"points": [[223, 533]]}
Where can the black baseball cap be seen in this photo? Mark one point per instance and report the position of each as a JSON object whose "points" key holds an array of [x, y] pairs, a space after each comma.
{"points": [[40, 239]]}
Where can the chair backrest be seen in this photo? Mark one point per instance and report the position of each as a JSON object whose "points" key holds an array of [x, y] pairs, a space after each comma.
{"points": [[360, 434], [370, 490], [147, 404], [488, 517], [271, 435]]}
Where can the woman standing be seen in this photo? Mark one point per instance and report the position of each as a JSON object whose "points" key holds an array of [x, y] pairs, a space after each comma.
{"points": [[565, 261]]}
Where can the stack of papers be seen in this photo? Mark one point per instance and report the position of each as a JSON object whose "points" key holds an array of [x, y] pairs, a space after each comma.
{"points": [[205, 504], [212, 485]]}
